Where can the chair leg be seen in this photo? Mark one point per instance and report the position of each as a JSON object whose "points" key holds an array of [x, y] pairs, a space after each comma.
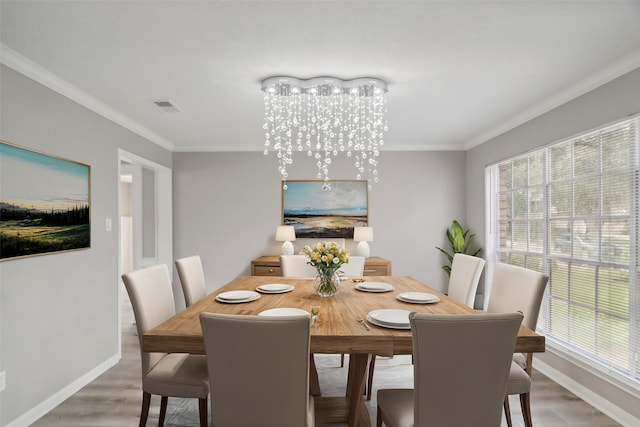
{"points": [[372, 366], [379, 418], [204, 413], [314, 382], [342, 360], [163, 410], [144, 413], [507, 411], [525, 404]]}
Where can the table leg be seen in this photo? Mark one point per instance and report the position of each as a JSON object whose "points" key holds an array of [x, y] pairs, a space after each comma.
{"points": [[358, 413]]}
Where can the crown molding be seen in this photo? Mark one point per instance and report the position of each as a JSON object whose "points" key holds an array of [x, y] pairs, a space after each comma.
{"points": [[24, 66], [616, 69]]}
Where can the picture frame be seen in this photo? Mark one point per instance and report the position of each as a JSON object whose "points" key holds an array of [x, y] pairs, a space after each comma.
{"points": [[325, 209], [45, 203]]}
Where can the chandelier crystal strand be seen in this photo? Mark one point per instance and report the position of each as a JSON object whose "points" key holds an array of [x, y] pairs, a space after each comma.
{"points": [[325, 117]]}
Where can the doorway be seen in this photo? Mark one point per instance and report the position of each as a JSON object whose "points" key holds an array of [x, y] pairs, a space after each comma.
{"points": [[144, 218]]}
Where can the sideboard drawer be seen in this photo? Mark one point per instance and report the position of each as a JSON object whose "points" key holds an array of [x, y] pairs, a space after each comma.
{"points": [[375, 270], [376, 266], [262, 270]]}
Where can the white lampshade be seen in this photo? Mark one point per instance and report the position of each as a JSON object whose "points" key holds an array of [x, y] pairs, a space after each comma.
{"points": [[286, 234], [363, 235]]}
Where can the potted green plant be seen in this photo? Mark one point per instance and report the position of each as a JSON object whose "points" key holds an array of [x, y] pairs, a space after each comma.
{"points": [[460, 240]]}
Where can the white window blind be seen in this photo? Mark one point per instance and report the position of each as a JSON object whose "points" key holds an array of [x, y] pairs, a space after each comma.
{"points": [[570, 210]]}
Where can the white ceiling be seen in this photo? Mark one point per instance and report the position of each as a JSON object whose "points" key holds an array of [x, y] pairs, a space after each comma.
{"points": [[459, 72]]}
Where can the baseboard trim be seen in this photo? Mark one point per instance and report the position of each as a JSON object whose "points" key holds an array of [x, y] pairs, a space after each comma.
{"points": [[38, 411], [599, 402]]}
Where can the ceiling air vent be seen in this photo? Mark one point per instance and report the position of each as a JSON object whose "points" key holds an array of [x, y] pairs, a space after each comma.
{"points": [[166, 106]]}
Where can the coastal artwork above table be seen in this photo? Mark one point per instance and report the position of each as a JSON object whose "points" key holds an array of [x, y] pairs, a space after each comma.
{"points": [[325, 209], [44, 203]]}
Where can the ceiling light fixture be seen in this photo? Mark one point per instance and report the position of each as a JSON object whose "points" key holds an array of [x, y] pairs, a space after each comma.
{"points": [[326, 117]]}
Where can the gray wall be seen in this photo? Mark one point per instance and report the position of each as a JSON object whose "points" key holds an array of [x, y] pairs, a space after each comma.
{"points": [[59, 312], [615, 100], [227, 206]]}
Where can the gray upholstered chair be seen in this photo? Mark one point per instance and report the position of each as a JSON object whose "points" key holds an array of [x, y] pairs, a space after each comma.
{"points": [[191, 278], [518, 289], [463, 283], [461, 366], [258, 370], [296, 266], [176, 374], [465, 275]]}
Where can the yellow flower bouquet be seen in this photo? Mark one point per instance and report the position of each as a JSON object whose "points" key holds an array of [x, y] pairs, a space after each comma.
{"points": [[326, 257]]}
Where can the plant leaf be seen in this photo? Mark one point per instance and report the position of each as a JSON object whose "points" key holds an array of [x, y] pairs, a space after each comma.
{"points": [[449, 256], [447, 270], [456, 228]]}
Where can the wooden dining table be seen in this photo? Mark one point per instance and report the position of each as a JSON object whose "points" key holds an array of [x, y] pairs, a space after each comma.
{"points": [[338, 330]]}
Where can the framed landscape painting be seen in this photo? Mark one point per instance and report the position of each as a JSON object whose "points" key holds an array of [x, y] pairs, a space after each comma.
{"points": [[44, 203], [319, 209]]}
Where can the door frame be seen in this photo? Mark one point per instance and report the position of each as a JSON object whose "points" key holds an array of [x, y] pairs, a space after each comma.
{"points": [[163, 228]]}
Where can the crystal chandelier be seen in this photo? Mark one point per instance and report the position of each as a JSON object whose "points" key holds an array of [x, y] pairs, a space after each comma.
{"points": [[326, 117]]}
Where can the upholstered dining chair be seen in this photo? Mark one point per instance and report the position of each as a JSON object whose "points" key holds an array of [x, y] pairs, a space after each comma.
{"points": [[296, 266], [191, 278], [176, 375], [355, 266], [258, 370], [465, 275], [450, 387], [463, 284], [518, 289]]}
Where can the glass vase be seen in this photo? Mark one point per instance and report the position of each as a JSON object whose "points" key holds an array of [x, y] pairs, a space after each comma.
{"points": [[327, 282]]}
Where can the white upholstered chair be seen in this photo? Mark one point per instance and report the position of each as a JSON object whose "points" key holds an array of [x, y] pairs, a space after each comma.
{"points": [[458, 381], [296, 266], [355, 266], [176, 374], [465, 275], [191, 278], [518, 289], [258, 370]]}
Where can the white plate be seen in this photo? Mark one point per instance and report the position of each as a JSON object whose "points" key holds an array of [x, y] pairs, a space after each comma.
{"points": [[232, 297], [283, 311], [275, 288], [418, 297], [385, 325], [390, 317], [374, 287]]}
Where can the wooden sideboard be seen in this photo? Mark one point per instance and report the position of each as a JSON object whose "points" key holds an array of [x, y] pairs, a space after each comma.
{"points": [[270, 266]]}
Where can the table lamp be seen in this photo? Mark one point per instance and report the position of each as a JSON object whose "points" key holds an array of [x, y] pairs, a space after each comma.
{"points": [[286, 234], [363, 235]]}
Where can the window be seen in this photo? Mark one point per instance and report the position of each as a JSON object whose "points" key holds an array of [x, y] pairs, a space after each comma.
{"points": [[570, 210]]}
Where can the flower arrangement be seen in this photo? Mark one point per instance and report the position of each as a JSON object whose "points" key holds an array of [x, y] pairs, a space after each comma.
{"points": [[326, 257]]}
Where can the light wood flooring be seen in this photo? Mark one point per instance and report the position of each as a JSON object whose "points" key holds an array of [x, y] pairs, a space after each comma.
{"points": [[113, 399]]}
